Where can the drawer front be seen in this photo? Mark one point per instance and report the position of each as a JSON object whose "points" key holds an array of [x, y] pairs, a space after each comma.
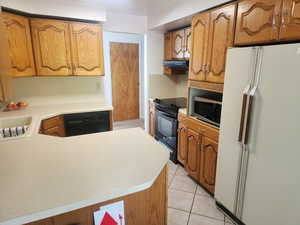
{"points": [[204, 129], [77, 217], [51, 122]]}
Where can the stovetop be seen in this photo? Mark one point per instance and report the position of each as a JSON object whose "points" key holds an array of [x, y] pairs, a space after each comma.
{"points": [[170, 104]]}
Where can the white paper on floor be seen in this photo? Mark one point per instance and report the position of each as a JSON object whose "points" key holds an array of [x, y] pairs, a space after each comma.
{"points": [[112, 214]]}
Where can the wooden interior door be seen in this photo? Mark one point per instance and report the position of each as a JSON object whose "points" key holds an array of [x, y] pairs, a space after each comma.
{"points": [[200, 31], [178, 44], [52, 48], [221, 36], [208, 165], [20, 45], [290, 27], [87, 49], [258, 21], [124, 58], [193, 155]]}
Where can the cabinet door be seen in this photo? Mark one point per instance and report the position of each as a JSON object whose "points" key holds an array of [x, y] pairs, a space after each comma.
{"points": [[290, 27], [20, 47], [178, 44], [87, 49], [187, 42], [221, 36], [151, 119], [168, 46], [258, 21], [182, 143], [77, 217], [208, 164], [200, 30], [51, 41], [193, 154]]}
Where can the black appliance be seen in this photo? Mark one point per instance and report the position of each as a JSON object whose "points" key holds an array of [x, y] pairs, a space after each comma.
{"points": [[208, 108], [167, 124], [86, 123]]}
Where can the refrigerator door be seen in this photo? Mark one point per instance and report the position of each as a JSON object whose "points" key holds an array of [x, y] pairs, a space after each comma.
{"points": [[239, 75], [273, 180]]}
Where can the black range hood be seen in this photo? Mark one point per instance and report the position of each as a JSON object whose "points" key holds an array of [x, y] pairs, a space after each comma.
{"points": [[177, 64]]}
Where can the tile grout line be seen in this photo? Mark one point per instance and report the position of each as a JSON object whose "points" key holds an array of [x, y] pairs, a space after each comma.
{"points": [[188, 221]]}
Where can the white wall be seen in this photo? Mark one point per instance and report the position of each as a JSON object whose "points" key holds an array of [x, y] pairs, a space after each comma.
{"points": [[59, 90], [125, 23], [124, 38], [65, 8], [163, 12]]}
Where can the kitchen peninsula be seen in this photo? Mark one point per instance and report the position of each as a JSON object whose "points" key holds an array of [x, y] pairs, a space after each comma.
{"points": [[48, 180]]}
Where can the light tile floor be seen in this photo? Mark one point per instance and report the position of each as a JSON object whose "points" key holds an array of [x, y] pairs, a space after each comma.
{"points": [[188, 203], [128, 124]]}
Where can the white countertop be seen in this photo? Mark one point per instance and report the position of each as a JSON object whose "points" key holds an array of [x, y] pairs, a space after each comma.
{"points": [[43, 176]]}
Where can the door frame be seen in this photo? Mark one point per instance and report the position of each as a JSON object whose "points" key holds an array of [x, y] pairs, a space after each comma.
{"points": [[109, 37]]}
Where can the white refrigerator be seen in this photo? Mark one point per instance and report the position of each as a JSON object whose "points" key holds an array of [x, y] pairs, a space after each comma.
{"points": [[258, 169]]}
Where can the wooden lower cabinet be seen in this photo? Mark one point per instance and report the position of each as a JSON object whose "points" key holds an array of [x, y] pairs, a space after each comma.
{"points": [[53, 126], [209, 155], [151, 118], [78, 217], [148, 207], [182, 140], [193, 153], [198, 151]]}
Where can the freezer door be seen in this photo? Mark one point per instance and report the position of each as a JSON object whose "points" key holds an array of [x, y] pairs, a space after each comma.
{"points": [[240, 69], [273, 180]]}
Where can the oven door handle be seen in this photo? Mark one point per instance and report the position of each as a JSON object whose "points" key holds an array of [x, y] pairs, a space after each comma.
{"points": [[165, 115]]}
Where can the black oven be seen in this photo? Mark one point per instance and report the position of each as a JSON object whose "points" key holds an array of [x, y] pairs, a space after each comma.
{"points": [[208, 108], [166, 123]]}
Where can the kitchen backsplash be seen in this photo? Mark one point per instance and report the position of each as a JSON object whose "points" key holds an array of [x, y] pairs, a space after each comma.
{"points": [[162, 86], [57, 90]]}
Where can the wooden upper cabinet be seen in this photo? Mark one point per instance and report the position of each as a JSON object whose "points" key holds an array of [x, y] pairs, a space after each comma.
{"points": [[209, 155], [221, 36], [290, 20], [178, 44], [87, 49], [200, 31], [187, 42], [182, 142], [52, 48], [258, 21], [20, 47], [193, 154], [168, 46]]}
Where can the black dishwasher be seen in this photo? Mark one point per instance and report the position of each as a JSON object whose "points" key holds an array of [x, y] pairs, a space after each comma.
{"points": [[86, 123]]}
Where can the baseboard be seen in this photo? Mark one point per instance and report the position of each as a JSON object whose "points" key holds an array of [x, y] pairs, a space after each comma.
{"points": [[229, 214]]}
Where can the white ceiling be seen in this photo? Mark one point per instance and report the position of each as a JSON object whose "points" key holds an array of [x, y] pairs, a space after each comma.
{"points": [[131, 7]]}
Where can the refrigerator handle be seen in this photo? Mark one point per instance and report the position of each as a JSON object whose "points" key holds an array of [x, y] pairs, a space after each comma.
{"points": [[243, 116], [252, 95]]}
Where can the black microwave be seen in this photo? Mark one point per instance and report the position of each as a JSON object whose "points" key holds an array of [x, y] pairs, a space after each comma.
{"points": [[208, 108]]}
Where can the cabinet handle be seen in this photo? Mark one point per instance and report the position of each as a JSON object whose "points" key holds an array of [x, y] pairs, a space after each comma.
{"points": [[207, 68], [283, 23]]}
